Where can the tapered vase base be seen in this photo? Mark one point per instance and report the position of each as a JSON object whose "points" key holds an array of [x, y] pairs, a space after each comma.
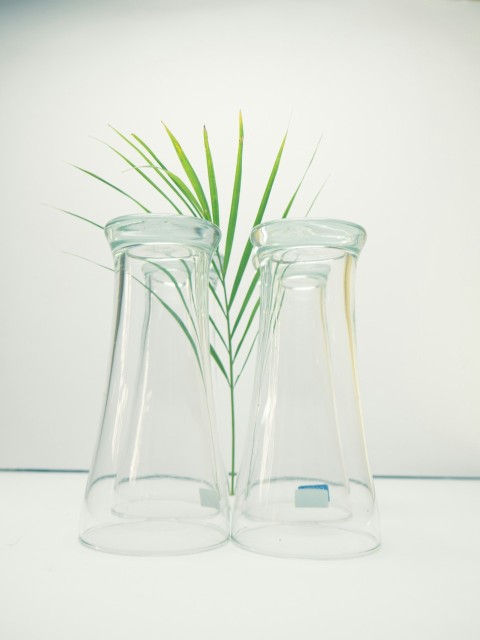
{"points": [[306, 540], [154, 538]]}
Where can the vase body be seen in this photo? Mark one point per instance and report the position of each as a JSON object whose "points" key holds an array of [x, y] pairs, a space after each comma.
{"points": [[156, 485], [304, 487]]}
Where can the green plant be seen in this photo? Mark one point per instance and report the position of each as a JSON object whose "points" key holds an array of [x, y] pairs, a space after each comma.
{"points": [[237, 306]]}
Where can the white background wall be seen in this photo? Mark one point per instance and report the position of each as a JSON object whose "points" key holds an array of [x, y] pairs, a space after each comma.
{"points": [[393, 86]]}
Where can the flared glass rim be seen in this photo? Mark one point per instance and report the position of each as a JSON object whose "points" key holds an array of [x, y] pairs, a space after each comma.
{"points": [[311, 232], [161, 228]]}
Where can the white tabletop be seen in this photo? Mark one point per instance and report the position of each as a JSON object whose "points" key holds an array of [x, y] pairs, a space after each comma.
{"points": [[423, 583]]}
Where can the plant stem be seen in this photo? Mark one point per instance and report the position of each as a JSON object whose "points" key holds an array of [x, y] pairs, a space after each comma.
{"points": [[232, 413], [231, 385]]}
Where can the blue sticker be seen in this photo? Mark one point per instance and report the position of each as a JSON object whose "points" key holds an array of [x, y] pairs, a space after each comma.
{"points": [[312, 495]]}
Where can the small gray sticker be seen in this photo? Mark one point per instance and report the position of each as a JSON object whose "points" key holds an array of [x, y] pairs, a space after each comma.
{"points": [[209, 498]]}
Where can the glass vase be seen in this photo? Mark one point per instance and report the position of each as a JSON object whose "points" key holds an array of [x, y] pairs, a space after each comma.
{"points": [[156, 485], [304, 487]]}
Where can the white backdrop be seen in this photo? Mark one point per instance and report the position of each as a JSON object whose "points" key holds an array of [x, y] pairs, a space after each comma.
{"points": [[393, 86]]}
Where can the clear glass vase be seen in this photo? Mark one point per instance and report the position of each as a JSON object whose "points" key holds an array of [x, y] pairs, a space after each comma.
{"points": [[156, 486], [304, 487]]}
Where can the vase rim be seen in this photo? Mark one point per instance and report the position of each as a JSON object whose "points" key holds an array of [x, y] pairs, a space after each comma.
{"points": [[309, 232], [161, 228]]}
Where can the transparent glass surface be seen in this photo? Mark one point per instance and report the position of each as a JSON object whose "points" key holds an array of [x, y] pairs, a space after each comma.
{"points": [[304, 487], [156, 485]]}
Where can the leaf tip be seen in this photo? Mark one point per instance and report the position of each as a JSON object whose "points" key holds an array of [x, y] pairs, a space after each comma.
{"points": [[114, 129]]}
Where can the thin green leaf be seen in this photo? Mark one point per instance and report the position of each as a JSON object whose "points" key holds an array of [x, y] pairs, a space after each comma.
{"points": [[97, 264], [162, 302], [246, 300], [149, 150], [261, 211], [285, 214], [316, 195], [156, 167], [217, 265], [76, 215], [245, 333], [179, 291], [190, 173], [246, 359], [218, 362], [180, 322], [187, 193], [232, 219], [217, 299], [292, 199], [141, 173], [134, 146], [127, 195], [211, 179], [219, 333]]}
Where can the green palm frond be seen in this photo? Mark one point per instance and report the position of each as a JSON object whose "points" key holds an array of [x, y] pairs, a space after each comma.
{"points": [[159, 168], [212, 182], [237, 183], [138, 169], [109, 184], [187, 196], [77, 215], [191, 175], [258, 219]]}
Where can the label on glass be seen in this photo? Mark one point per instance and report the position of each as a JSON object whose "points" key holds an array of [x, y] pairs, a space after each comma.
{"points": [[209, 498], [312, 495]]}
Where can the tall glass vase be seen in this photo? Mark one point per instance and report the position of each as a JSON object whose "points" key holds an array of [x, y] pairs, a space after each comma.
{"points": [[304, 488], [156, 485]]}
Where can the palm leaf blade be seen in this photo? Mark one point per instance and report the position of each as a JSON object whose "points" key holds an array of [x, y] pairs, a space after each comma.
{"points": [[219, 333], [109, 184], [246, 359], [316, 196], [142, 174], [77, 215], [218, 362], [217, 299], [245, 333], [159, 168], [191, 175], [292, 199], [232, 219], [211, 179], [149, 150], [261, 211], [187, 193], [246, 300]]}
